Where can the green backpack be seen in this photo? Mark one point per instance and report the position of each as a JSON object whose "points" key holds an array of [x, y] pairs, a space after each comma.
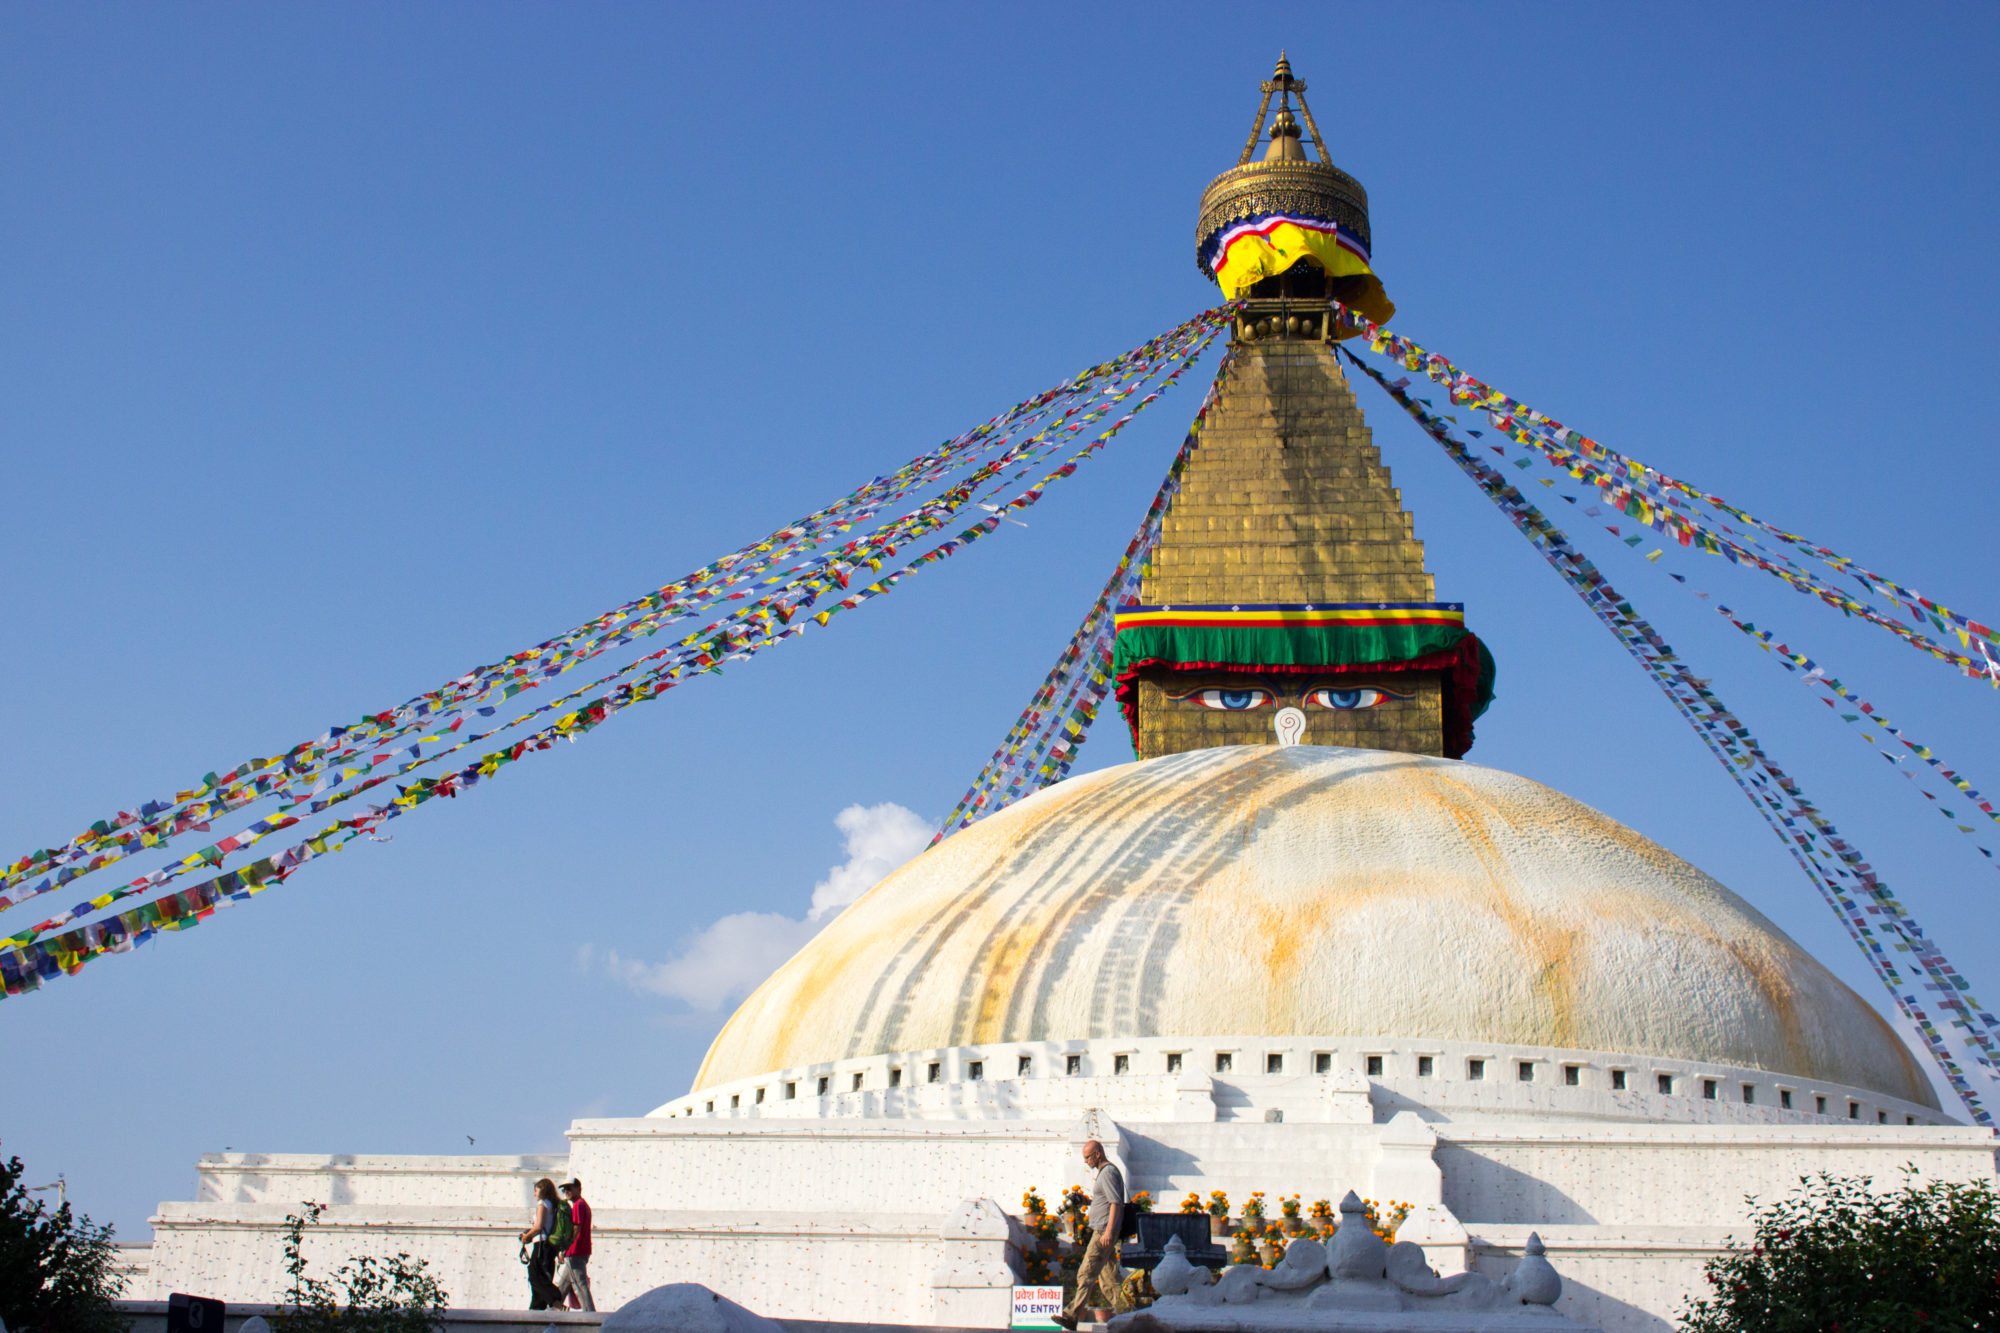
{"points": [[565, 1228]]}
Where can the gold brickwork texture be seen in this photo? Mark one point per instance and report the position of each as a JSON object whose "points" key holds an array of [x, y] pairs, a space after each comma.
{"points": [[1287, 500]]}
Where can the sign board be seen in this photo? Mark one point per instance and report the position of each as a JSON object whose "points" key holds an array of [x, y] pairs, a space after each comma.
{"points": [[193, 1314], [1037, 1307]]}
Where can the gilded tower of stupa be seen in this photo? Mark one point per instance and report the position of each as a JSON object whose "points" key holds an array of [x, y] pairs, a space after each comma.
{"points": [[1288, 600]]}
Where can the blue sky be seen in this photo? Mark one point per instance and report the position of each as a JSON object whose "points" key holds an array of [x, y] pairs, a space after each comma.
{"points": [[343, 348]]}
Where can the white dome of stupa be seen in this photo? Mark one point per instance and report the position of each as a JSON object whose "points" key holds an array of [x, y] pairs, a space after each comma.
{"points": [[1277, 890]]}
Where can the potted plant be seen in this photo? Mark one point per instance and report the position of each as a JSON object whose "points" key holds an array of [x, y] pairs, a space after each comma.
{"points": [[1075, 1206], [1383, 1219], [1241, 1251], [1254, 1209], [1044, 1249], [1218, 1214], [1288, 1209], [1271, 1247], [1192, 1203], [1324, 1224]]}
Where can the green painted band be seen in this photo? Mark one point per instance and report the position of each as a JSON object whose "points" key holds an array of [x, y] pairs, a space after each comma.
{"points": [[1316, 645]]}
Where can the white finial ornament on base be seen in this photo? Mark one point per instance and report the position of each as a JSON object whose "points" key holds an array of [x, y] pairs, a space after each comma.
{"points": [[1354, 1283]]}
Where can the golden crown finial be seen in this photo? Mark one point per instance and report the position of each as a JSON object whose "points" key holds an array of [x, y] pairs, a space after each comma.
{"points": [[1287, 183]]}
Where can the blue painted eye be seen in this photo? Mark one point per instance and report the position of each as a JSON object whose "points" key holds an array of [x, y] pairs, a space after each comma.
{"points": [[1232, 700], [1352, 700]]}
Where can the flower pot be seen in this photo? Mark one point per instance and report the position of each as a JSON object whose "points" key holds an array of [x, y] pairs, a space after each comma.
{"points": [[1218, 1227]]}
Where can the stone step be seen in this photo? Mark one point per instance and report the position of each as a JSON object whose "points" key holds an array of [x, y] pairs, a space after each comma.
{"points": [[1341, 526], [1246, 588], [1287, 467], [1304, 503], [1233, 552]]}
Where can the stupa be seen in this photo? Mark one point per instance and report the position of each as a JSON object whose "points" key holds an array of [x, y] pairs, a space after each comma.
{"points": [[1299, 945]]}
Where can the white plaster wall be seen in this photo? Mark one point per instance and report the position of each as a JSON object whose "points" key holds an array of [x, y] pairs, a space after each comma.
{"points": [[1678, 1175], [808, 1265], [235, 1252], [368, 1181], [1621, 1279], [1317, 1161], [830, 1168], [804, 1265]]}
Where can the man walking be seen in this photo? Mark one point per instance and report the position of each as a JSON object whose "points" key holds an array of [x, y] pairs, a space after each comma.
{"points": [[572, 1275], [1099, 1281]]}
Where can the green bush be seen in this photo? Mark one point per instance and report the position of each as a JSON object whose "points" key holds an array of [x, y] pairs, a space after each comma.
{"points": [[1837, 1257], [56, 1273], [365, 1295]]}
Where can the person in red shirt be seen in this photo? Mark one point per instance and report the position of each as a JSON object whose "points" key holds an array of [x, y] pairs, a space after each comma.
{"points": [[576, 1281]]}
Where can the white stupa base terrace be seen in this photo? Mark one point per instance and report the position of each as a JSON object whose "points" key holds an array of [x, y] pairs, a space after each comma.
{"points": [[810, 1208], [1289, 1078]]}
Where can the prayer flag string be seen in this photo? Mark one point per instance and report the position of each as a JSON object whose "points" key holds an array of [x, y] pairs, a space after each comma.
{"points": [[1834, 865], [1040, 747], [1661, 502], [312, 767], [39, 954], [1865, 714], [1804, 669], [698, 647]]}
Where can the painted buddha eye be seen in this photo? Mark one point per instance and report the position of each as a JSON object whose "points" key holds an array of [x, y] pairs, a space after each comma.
{"points": [[1226, 700], [1342, 700]]}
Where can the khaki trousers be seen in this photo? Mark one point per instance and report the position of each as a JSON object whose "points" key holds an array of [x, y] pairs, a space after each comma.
{"points": [[1099, 1279]]}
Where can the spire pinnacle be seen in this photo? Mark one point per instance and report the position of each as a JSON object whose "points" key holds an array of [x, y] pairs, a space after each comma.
{"points": [[1286, 87], [1289, 225]]}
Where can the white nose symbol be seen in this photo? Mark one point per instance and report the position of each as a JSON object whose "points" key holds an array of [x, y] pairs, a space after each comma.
{"points": [[1290, 724]]}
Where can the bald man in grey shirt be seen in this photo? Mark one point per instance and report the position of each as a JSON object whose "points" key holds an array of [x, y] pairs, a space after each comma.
{"points": [[1098, 1275]]}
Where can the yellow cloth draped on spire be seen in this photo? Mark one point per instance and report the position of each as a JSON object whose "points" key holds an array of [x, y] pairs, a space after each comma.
{"points": [[1264, 247]]}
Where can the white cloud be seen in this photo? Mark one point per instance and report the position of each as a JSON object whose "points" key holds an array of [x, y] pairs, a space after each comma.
{"points": [[879, 838], [722, 963], [727, 960]]}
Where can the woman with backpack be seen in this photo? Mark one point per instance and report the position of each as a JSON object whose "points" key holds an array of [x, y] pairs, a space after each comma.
{"points": [[537, 1251]]}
